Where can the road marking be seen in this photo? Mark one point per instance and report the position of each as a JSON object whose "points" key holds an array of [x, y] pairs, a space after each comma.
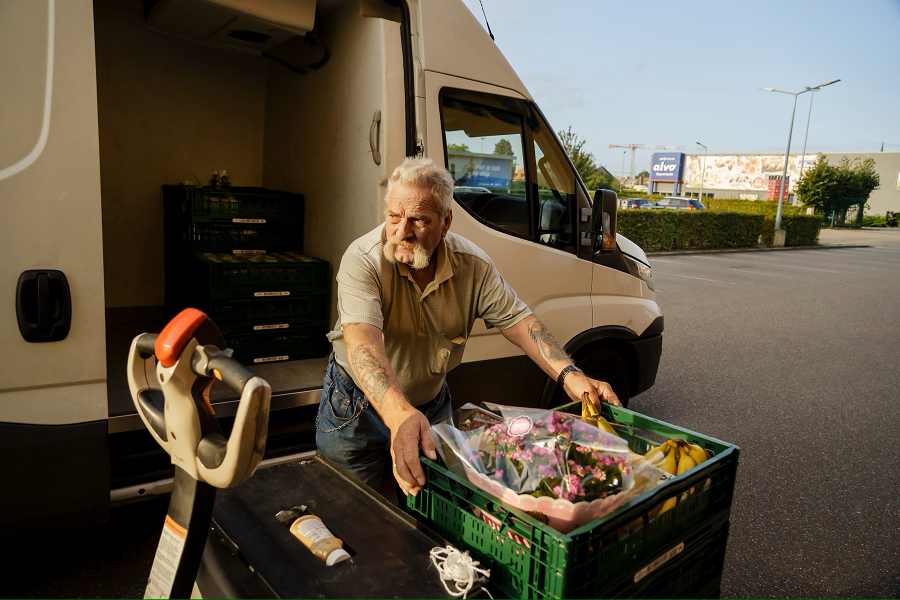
{"points": [[697, 278], [765, 273], [803, 268]]}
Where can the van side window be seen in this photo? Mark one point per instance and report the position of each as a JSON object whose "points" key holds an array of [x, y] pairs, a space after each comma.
{"points": [[485, 156], [555, 188]]}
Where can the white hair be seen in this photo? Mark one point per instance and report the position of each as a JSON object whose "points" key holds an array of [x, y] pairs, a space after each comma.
{"points": [[425, 173]]}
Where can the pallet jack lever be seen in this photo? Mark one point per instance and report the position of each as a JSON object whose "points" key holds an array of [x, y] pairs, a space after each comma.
{"points": [[190, 355]]}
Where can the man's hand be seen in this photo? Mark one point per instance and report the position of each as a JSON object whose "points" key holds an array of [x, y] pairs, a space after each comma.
{"points": [[578, 384], [409, 432]]}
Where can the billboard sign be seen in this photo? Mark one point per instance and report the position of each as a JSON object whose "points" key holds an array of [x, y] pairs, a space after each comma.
{"points": [[775, 191], [743, 172], [482, 170], [666, 166]]}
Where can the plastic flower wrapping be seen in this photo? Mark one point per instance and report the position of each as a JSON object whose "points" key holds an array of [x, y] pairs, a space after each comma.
{"points": [[551, 464]]}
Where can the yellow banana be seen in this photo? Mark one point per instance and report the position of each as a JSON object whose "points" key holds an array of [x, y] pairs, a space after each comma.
{"points": [[590, 414], [656, 454], [604, 425], [668, 504], [587, 407], [697, 453], [675, 457], [670, 462], [685, 462]]}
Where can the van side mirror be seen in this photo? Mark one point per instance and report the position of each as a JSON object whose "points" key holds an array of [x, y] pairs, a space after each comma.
{"points": [[603, 218]]}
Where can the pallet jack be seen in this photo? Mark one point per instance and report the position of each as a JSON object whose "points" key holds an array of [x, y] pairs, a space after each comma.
{"points": [[190, 355]]}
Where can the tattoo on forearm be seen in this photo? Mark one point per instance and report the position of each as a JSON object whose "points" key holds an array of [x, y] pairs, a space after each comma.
{"points": [[546, 343], [371, 373]]}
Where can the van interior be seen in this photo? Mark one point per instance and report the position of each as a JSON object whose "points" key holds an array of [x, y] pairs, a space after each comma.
{"points": [[285, 101]]}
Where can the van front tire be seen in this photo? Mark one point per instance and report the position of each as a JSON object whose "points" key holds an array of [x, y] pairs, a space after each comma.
{"points": [[608, 364]]}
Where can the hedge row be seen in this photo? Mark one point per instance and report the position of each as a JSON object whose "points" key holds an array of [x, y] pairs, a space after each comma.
{"points": [[802, 230], [756, 207], [663, 230]]}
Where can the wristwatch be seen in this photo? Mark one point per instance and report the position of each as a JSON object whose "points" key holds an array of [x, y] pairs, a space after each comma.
{"points": [[561, 379]]}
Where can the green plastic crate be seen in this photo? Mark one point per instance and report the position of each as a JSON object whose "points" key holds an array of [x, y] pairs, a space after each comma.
{"points": [[219, 277], [529, 559], [689, 568], [247, 316], [279, 345], [220, 220]]}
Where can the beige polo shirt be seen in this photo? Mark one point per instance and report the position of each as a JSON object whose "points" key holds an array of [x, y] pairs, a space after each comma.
{"points": [[425, 331]]}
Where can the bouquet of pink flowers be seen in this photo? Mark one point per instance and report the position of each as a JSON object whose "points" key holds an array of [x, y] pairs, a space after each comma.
{"points": [[544, 461]]}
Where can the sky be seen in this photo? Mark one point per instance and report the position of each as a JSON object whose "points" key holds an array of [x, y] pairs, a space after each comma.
{"points": [[673, 73]]}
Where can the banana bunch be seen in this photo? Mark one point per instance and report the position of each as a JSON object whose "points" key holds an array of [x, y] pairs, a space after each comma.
{"points": [[675, 457], [590, 414]]}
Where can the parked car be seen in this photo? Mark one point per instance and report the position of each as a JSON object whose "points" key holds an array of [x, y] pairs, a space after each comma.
{"points": [[637, 203], [680, 202]]}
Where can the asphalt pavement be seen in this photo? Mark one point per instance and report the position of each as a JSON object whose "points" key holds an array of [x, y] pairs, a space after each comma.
{"points": [[793, 356]]}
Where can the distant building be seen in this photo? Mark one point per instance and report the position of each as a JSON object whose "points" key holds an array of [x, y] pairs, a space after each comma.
{"points": [[758, 176]]}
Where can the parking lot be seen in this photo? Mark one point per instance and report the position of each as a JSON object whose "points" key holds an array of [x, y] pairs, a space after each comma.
{"points": [[792, 355]]}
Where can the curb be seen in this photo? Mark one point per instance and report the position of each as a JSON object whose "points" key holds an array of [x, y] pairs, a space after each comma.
{"points": [[763, 249]]}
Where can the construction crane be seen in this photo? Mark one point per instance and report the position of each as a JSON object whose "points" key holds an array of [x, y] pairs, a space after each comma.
{"points": [[633, 147]]}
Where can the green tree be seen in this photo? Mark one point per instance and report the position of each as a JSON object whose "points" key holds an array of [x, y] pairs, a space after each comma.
{"points": [[594, 177], [861, 179], [457, 148], [503, 148], [832, 189]]}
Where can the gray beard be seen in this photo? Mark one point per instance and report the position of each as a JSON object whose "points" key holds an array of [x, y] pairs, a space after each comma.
{"points": [[420, 257]]}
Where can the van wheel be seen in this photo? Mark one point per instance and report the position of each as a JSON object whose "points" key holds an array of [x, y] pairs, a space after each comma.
{"points": [[611, 367], [606, 365]]}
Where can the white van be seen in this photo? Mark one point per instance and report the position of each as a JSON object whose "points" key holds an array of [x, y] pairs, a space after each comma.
{"points": [[105, 101]]}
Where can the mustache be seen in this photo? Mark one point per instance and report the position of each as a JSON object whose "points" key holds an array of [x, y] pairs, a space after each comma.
{"points": [[421, 258]]}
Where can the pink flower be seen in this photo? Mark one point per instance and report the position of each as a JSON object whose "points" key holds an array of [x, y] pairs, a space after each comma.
{"points": [[573, 483], [545, 470], [524, 455]]}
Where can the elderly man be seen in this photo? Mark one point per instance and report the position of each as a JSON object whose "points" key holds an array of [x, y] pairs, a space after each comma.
{"points": [[409, 292]]}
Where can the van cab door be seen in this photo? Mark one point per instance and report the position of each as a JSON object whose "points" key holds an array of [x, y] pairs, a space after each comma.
{"points": [[517, 195], [52, 372]]}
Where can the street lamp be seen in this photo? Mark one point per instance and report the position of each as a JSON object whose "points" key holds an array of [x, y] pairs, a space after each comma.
{"points": [[787, 152], [806, 136], [703, 170]]}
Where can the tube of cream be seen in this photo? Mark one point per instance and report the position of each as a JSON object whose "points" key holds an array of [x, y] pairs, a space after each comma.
{"points": [[313, 534]]}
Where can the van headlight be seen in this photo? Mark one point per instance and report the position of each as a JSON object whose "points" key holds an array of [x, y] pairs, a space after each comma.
{"points": [[639, 269]]}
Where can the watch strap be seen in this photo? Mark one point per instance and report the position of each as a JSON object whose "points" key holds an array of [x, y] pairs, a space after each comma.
{"points": [[561, 379]]}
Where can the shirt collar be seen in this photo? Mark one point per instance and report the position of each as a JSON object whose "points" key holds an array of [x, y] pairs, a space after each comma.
{"points": [[442, 273]]}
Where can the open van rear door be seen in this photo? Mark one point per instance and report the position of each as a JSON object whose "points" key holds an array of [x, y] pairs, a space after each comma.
{"points": [[53, 375]]}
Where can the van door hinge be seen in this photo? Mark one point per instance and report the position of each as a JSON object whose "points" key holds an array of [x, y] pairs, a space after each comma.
{"points": [[420, 148]]}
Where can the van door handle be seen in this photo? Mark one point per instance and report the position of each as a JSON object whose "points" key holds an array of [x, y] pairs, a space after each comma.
{"points": [[43, 305], [375, 137]]}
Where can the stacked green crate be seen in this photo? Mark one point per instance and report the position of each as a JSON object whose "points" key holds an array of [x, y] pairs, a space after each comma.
{"points": [[236, 253], [636, 551]]}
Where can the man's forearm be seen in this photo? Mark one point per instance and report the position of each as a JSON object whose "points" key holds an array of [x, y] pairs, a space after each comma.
{"points": [[373, 372], [535, 339]]}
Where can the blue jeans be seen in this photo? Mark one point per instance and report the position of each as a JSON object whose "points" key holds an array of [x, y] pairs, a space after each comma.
{"points": [[349, 432]]}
